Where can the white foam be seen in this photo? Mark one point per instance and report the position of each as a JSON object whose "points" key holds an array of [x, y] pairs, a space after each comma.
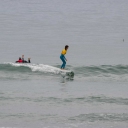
{"points": [[39, 67]]}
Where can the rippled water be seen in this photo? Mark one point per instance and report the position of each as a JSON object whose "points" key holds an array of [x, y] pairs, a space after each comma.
{"points": [[46, 103]]}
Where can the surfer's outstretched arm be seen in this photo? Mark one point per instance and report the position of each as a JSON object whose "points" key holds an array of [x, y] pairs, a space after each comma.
{"points": [[65, 58]]}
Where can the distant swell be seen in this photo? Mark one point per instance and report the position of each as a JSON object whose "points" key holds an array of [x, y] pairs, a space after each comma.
{"points": [[102, 70], [101, 117]]}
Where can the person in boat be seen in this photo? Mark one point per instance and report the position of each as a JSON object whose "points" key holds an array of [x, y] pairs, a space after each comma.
{"points": [[24, 61], [62, 57]]}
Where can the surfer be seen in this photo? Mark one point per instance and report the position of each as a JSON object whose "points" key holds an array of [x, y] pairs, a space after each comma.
{"points": [[62, 56], [24, 61], [19, 61]]}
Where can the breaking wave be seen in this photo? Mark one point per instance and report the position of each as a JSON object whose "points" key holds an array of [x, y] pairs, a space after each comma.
{"points": [[91, 73]]}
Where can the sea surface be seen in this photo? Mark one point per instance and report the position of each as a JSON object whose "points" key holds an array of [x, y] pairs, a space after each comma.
{"points": [[37, 96]]}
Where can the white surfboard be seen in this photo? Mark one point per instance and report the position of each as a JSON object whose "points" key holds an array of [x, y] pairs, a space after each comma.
{"points": [[64, 72]]}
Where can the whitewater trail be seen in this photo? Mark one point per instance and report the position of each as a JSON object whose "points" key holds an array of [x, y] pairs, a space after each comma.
{"points": [[37, 67]]}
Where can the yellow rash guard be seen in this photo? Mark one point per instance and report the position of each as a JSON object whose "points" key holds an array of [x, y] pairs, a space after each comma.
{"points": [[64, 52]]}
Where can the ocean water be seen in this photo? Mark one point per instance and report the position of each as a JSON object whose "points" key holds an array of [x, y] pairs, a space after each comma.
{"points": [[36, 95]]}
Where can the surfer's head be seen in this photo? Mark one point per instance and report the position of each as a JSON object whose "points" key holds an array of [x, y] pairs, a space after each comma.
{"points": [[19, 58], [66, 47]]}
